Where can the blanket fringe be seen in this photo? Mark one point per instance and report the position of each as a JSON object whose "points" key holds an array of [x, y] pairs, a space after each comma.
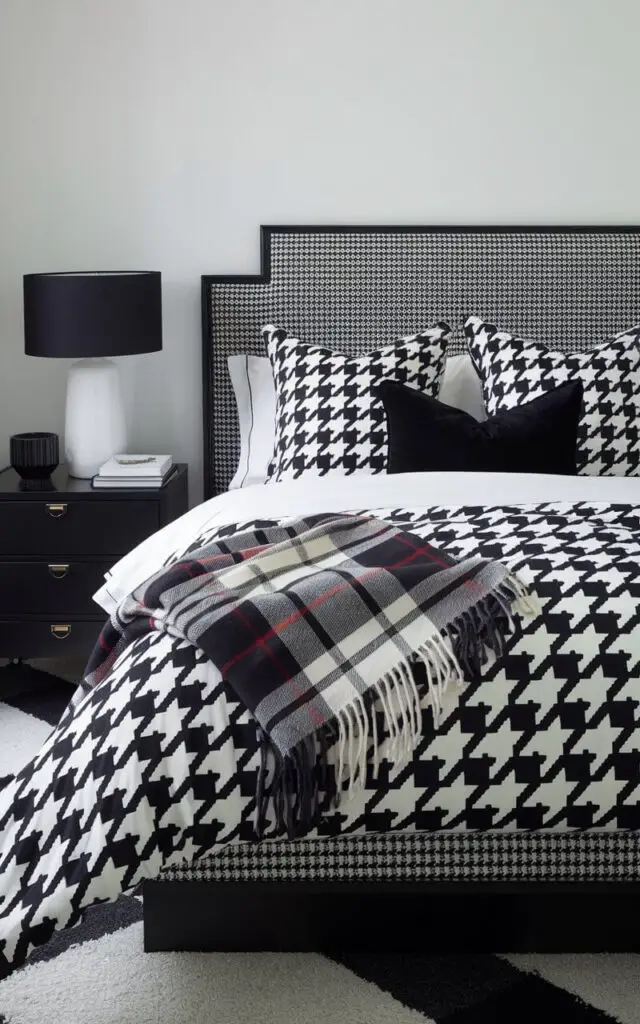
{"points": [[335, 760]]}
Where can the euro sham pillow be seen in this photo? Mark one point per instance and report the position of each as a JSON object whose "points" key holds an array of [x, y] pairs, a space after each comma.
{"points": [[328, 417], [428, 436], [514, 370], [252, 383], [461, 386]]}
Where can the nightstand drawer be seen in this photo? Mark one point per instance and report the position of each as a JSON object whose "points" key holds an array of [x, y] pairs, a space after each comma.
{"points": [[48, 638], [50, 588], [75, 527]]}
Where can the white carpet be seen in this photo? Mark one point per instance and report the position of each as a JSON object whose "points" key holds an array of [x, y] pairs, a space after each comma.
{"points": [[113, 982], [20, 737]]}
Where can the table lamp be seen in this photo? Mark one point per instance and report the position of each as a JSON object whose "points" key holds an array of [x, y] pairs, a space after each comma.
{"points": [[91, 316]]}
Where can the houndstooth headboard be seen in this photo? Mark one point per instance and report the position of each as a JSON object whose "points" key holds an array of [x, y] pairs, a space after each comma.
{"points": [[355, 288]]}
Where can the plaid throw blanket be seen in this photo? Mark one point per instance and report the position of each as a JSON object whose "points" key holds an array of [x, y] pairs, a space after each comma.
{"points": [[328, 629]]}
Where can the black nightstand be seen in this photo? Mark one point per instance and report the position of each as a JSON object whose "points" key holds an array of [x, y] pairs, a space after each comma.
{"points": [[56, 545]]}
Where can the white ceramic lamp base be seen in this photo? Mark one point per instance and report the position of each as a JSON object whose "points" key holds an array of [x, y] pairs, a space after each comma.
{"points": [[95, 424]]}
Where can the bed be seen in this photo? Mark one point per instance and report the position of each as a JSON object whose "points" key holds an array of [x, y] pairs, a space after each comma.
{"points": [[514, 824], [541, 884]]}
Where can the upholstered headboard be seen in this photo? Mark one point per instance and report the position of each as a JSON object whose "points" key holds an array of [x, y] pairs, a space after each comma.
{"points": [[354, 288]]}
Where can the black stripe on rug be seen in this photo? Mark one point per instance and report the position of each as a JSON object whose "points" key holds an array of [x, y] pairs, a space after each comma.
{"points": [[35, 692], [470, 989], [101, 920]]}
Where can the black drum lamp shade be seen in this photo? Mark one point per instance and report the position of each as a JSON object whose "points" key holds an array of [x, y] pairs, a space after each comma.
{"points": [[85, 315]]}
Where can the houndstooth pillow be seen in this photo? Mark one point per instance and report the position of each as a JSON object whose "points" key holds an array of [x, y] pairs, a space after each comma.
{"points": [[514, 371], [327, 415]]}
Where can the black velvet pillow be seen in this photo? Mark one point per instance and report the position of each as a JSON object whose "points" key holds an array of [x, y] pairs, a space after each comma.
{"points": [[427, 435]]}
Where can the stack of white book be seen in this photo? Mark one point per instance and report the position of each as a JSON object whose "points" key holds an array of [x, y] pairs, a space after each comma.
{"points": [[135, 471]]}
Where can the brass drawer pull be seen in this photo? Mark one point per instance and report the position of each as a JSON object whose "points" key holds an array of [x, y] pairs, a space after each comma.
{"points": [[60, 632], [56, 511], [58, 571]]}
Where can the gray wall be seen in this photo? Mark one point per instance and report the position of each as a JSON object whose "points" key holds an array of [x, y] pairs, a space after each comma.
{"points": [[160, 133]]}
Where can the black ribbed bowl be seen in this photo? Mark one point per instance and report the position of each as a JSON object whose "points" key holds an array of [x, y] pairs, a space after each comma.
{"points": [[34, 456]]}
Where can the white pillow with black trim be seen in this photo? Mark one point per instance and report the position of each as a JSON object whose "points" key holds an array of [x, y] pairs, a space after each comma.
{"points": [[328, 419], [252, 382], [461, 387], [514, 371]]}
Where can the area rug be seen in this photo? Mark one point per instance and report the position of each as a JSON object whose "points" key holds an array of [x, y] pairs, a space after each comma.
{"points": [[98, 973]]}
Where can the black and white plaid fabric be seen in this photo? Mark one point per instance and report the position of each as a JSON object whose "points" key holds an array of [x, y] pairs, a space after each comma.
{"points": [[328, 418], [514, 371], [319, 626]]}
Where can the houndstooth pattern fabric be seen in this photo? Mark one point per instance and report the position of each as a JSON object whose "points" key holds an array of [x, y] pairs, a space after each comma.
{"points": [[540, 741], [521, 744], [355, 289], [425, 856], [328, 416], [158, 765], [514, 371]]}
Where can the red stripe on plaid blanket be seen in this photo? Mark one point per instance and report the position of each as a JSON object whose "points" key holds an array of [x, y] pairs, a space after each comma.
{"points": [[300, 612]]}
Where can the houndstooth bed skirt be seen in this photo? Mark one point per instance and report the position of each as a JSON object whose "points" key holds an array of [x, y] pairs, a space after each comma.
{"points": [[449, 856]]}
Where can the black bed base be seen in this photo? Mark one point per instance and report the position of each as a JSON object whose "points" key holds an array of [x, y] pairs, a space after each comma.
{"points": [[392, 916]]}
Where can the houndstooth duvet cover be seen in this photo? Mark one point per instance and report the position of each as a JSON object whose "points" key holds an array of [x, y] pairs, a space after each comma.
{"points": [[158, 764]]}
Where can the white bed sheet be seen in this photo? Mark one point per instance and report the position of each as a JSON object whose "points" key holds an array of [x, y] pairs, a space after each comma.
{"points": [[338, 493]]}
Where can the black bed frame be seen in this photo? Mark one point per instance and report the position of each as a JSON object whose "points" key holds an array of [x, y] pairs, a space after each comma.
{"points": [[394, 916], [461, 917]]}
